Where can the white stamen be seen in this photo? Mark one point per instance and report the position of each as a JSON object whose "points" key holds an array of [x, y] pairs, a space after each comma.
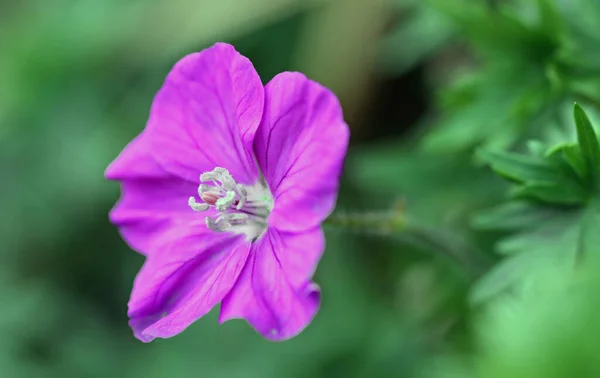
{"points": [[208, 176], [224, 203], [203, 188], [242, 209], [197, 206], [227, 181], [220, 225], [236, 218], [241, 191]]}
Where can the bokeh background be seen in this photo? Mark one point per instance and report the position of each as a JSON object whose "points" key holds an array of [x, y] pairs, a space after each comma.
{"points": [[423, 85]]}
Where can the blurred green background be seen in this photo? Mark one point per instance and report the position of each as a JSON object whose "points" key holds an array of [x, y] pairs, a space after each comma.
{"points": [[423, 85]]}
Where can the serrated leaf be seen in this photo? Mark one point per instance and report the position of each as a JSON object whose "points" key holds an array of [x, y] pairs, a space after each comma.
{"points": [[561, 241], [544, 234], [572, 155], [520, 168], [499, 279], [588, 142], [550, 242], [511, 215], [563, 192]]}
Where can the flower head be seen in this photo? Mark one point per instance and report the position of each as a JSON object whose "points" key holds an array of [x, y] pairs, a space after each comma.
{"points": [[224, 193]]}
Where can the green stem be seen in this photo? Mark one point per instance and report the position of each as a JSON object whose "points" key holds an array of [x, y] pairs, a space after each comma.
{"points": [[380, 222], [397, 225]]}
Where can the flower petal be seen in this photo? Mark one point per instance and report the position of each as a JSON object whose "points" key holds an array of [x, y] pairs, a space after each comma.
{"points": [[152, 200], [300, 146], [206, 115], [184, 280], [274, 293]]}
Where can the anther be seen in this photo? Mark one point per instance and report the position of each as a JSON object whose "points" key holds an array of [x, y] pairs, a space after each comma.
{"points": [[203, 188], [220, 225], [236, 218], [208, 176], [227, 181], [209, 198], [197, 206], [238, 211], [224, 203]]}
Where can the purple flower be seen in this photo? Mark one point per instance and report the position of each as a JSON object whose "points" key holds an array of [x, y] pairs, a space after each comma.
{"points": [[224, 193]]}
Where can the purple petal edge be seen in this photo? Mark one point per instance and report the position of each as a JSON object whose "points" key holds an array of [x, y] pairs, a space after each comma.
{"points": [[206, 115], [274, 292], [184, 281], [300, 146], [151, 198]]}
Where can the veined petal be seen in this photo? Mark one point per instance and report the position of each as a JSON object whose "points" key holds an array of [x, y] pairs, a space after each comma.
{"points": [[300, 147], [275, 293], [184, 280], [152, 200], [206, 115]]}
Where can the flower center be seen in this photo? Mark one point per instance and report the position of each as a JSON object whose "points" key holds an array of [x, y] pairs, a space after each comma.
{"points": [[243, 209]]}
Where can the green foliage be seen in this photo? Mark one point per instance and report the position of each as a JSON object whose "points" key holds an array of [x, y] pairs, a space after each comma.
{"points": [[588, 143], [554, 213], [423, 32], [524, 73], [547, 180]]}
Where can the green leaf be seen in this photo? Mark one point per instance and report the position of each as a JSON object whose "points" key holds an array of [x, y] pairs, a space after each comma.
{"points": [[554, 238], [493, 108], [500, 278], [550, 241], [564, 192], [572, 155], [547, 177], [544, 233], [588, 143], [511, 215], [520, 168]]}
